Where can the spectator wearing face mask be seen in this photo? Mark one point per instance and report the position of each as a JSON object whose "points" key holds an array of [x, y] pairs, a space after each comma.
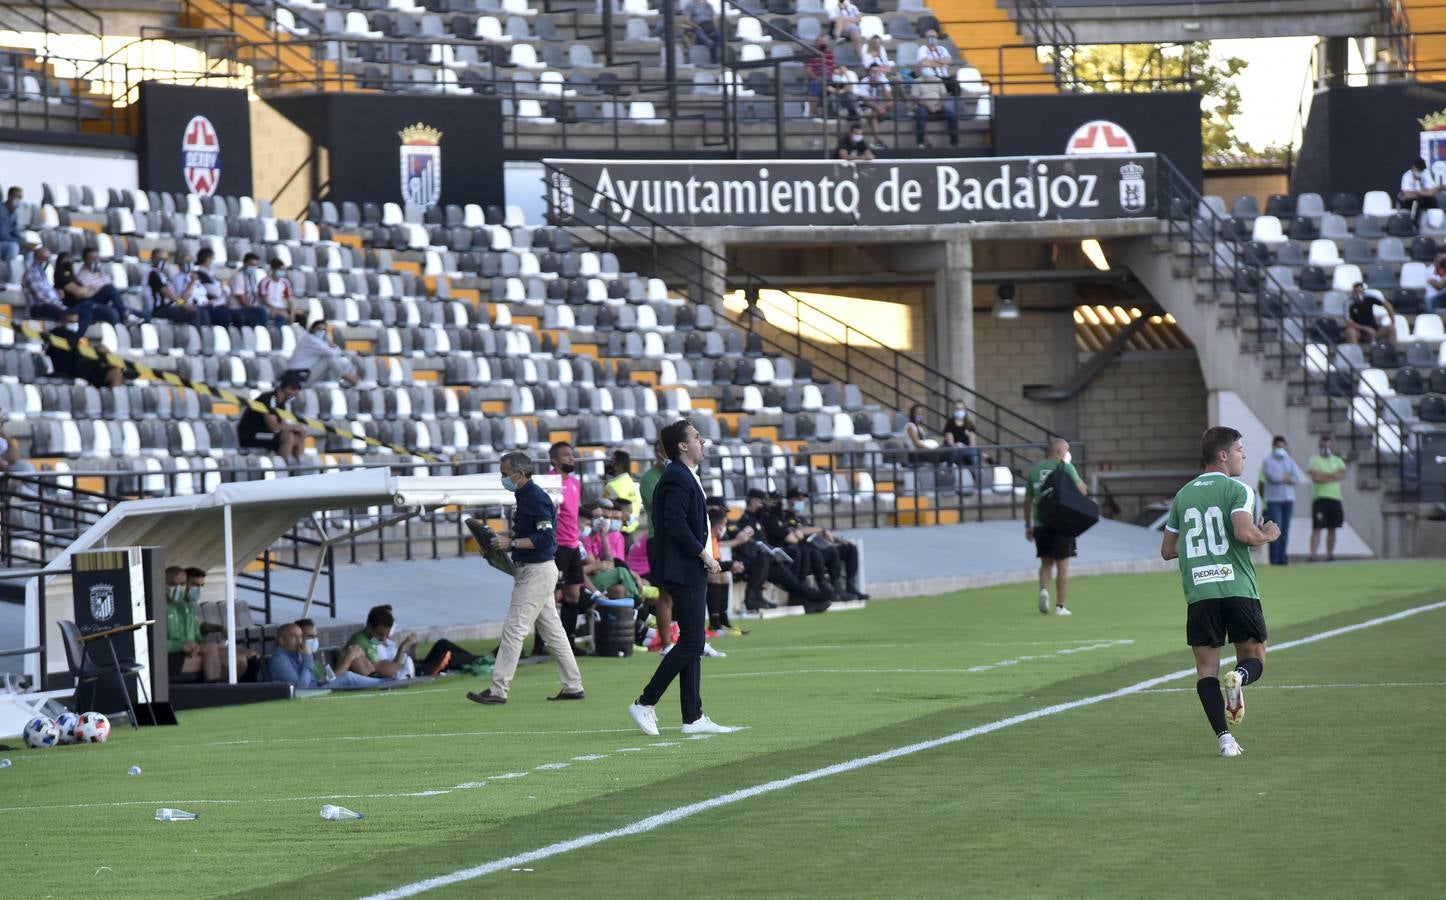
{"points": [[248, 664], [164, 298], [245, 290], [621, 486], [1276, 485], [1326, 471], [923, 446], [295, 662], [318, 359], [276, 297], [935, 60], [877, 94], [840, 555], [852, 146], [820, 67], [959, 435], [568, 553]]}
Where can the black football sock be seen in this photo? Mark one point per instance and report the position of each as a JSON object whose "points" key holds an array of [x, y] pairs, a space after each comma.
{"points": [[1214, 703], [717, 605], [1251, 668]]}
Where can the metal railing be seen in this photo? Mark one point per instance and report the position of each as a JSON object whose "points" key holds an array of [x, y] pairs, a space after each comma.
{"points": [[1284, 329], [54, 101], [890, 378], [1042, 23], [51, 17]]}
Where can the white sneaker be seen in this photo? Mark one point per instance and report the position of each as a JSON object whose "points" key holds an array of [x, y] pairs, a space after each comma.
{"points": [[1234, 697], [646, 717], [705, 725], [1062, 611], [1228, 746], [709, 651], [1044, 600]]}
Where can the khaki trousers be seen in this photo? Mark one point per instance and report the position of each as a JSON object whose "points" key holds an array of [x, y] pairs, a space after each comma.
{"points": [[532, 604]]}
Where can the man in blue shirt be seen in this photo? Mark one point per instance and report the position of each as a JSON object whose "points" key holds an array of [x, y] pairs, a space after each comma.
{"points": [[534, 550], [1278, 477], [291, 662], [10, 238]]}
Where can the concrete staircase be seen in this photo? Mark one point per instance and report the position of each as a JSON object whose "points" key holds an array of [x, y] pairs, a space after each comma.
{"points": [[1233, 357], [979, 28], [1429, 50], [285, 61]]}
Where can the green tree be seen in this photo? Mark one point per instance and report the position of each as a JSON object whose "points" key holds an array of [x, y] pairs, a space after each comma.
{"points": [[1099, 68]]}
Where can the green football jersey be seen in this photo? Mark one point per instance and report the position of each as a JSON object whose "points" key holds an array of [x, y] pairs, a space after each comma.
{"points": [[1213, 562]]}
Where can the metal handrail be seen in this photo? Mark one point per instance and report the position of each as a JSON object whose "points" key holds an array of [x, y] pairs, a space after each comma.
{"points": [[848, 366], [1185, 212], [43, 22]]}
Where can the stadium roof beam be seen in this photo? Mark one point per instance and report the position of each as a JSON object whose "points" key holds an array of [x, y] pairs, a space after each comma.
{"points": [[1096, 22]]}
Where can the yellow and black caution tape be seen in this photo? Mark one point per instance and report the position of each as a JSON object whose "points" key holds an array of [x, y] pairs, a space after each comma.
{"points": [[206, 390]]}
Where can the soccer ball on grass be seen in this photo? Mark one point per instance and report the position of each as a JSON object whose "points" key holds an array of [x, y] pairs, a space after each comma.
{"points": [[67, 722], [41, 732], [93, 728]]}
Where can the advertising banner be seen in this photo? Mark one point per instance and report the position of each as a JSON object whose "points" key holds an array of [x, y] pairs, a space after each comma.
{"points": [[1019, 189], [194, 140]]}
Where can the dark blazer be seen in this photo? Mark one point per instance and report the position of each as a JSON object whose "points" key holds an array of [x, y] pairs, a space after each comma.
{"points": [[682, 529]]}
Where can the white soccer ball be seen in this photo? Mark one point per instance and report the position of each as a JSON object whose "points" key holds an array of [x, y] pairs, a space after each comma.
{"points": [[41, 732], [67, 721], [93, 728]]}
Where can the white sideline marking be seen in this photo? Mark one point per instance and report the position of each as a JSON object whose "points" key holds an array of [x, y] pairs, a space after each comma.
{"points": [[1311, 687], [1083, 648], [407, 737], [677, 814]]}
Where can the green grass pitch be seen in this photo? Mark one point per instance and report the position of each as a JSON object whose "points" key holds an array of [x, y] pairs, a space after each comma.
{"points": [[1340, 791]]}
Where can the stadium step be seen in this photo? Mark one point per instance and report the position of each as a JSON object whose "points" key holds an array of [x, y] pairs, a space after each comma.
{"points": [[980, 28], [283, 60]]}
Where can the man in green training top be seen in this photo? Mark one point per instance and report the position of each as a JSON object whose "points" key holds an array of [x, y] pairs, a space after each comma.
{"points": [[1218, 517], [1053, 549]]}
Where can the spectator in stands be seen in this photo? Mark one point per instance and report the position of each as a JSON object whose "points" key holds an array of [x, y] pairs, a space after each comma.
{"points": [[1436, 278], [370, 639], [922, 447], [1276, 485], [266, 430], [78, 297], [846, 17], [165, 300], [276, 297], [698, 18], [246, 307], [1326, 471], [932, 101], [318, 359], [11, 240], [959, 435], [620, 486], [567, 537], [663, 605], [1418, 189], [71, 363], [820, 68], [843, 93], [876, 54], [877, 94], [935, 60], [42, 300], [248, 664], [189, 656], [294, 664], [781, 530], [840, 555], [1053, 549], [1361, 318], [212, 304], [99, 287], [852, 145], [9, 452]]}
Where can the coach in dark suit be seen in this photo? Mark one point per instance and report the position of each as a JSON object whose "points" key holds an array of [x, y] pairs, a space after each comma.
{"points": [[683, 563]]}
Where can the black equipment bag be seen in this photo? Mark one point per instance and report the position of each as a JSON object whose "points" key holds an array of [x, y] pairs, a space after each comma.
{"points": [[1063, 508]]}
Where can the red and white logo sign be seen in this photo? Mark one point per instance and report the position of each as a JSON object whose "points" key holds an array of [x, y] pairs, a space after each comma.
{"points": [[1099, 136], [201, 156]]}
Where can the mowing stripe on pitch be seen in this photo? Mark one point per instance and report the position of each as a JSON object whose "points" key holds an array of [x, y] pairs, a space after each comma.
{"points": [[668, 817]]}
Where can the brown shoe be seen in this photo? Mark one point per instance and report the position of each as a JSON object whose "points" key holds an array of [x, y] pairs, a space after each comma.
{"points": [[486, 698], [569, 695]]}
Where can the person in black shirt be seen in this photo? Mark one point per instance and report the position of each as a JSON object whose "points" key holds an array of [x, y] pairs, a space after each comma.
{"points": [[166, 301], [840, 555], [760, 566], [1361, 318], [779, 531], [69, 363], [534, 550], [852, 144], [960, 437], [266, 431], [93, 306]]}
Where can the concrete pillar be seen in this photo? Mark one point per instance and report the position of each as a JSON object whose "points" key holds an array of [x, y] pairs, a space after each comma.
{"points": [[713, 268], [952, 346]]}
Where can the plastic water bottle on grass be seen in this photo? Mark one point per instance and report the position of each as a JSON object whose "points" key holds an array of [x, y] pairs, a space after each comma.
{"points": [[133, 770], [337, 813], [4, 763], [175, 815]]}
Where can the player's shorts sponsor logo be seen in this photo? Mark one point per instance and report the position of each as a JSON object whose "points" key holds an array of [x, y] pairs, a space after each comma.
{"points": [[1211, 574]]}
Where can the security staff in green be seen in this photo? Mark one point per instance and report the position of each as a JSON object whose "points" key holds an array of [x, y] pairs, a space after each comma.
{"points": [[1210, 530]]}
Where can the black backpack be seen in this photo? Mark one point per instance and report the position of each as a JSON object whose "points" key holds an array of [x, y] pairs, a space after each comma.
{"points": [[1063, 508]]}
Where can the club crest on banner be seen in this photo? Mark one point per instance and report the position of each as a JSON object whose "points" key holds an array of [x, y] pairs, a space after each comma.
{"points": [[1099, 136], [1433, 143], [201, 156], [1132, 187], [421, 155], [102, 602]]}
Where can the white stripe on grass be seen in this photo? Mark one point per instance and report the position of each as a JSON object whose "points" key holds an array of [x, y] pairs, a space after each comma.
{"points": [[969, 670], [1355, 685], [668, 817]]}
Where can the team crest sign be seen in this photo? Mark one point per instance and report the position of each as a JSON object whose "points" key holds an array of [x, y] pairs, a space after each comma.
{"points": [[201, 156], [102, 602], [1433, 143], [421, 155]]}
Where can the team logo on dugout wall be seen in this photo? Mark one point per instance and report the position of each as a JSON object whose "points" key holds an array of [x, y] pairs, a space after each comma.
{"points": [[1099, 136], [421, 165], [102, 601], [201, 156]]}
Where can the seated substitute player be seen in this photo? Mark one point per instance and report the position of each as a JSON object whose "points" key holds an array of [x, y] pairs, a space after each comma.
{"points": [[1221, 592]]}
